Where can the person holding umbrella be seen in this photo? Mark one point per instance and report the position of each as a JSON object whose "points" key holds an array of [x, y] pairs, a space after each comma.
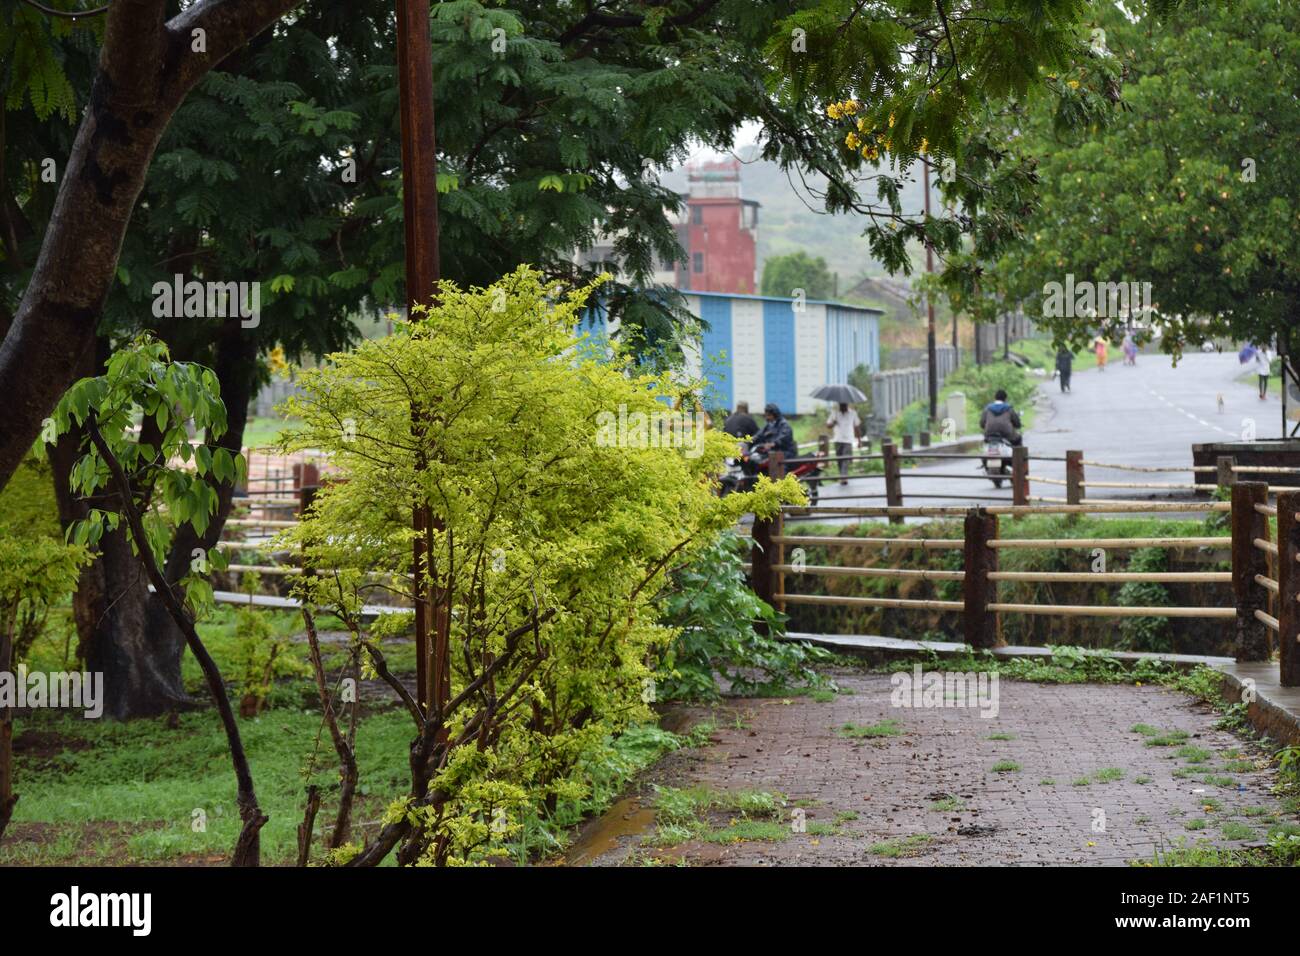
{"points": [[843, 421]]}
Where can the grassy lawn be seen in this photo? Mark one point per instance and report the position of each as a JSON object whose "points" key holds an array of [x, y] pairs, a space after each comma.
{"points": [[110, 792], [1041, 354], [263, 431], [101, 791]]}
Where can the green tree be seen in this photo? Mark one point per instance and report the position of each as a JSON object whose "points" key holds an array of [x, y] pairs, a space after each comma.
{"points": [[906, 84], [782, 275], [555, 532], [283, 166], [1192, 188]]}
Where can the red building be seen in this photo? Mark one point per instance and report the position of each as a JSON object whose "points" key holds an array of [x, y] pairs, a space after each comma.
{"points": [[721, 231]]}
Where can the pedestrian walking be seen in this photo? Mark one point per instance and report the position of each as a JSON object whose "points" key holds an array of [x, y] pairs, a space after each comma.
{"points": [[1130, 349], [1099, 346], [1262, 362], [845, 428], [1064, 367]]}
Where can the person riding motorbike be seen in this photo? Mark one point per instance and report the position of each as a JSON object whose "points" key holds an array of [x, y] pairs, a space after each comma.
{"points": [[1000, 420], [776, 435], [740, 424]]}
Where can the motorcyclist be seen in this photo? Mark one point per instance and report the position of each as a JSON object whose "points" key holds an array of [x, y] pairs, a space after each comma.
{"points": [[1000, 420], [740, 424], [776, 435]]}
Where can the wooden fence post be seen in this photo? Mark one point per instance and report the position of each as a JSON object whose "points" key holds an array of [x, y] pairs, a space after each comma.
{"points": [[760, 560], [1074, 477], [925, 439], [1020, 475], [1288, 592], [306, 495], [893, 480], [776, 471], [1248, 561], [907, 443], [981, 627], [1226, 476]]}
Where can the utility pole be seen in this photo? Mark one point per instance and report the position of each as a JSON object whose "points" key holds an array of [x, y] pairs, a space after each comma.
{"points": [[420, 210], [929, 304]]}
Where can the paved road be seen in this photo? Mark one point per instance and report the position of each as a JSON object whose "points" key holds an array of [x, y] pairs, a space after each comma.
{"points": [[1149, 414]]}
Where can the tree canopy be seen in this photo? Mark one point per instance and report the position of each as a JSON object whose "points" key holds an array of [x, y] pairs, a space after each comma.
{"points": [[782, 275], [1191, 187]]}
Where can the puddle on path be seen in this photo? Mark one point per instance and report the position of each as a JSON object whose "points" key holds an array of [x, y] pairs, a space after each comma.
{"points": [[626, 818]]}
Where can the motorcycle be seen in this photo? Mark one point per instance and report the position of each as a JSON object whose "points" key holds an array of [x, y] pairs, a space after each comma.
{"points": [[743, 471], [997, 459]]}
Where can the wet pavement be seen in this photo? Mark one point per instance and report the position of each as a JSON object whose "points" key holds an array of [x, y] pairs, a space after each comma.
{"points": [[1074, 774]]}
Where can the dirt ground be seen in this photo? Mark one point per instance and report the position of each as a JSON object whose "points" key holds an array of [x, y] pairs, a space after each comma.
{"points": [[1064, 774]]}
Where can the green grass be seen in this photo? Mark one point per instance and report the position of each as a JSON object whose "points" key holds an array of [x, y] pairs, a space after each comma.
{"points": [[682, 814], [1144, 780], [1193, 754], [1108, 775], [884, 728], [1000, 737], [1047, 782], [948, 805], [1196, 823], [1006, 766], [741, 830], [130, 791], [1237, 831], [1081, 782], [1173, 738], [265, 430], [904, 846]]}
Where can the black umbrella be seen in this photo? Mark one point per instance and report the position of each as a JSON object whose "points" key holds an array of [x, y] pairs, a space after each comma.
{"points": [[840, 393]]}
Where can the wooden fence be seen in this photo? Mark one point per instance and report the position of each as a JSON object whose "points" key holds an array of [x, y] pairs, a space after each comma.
{"points": [[1018, 484], [1265, 577]]}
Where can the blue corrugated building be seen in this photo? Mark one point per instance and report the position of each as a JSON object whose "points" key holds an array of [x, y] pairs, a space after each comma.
{"points": [[761, 349]]}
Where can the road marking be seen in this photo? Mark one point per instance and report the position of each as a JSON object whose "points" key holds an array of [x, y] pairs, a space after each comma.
{"points": [[1195, 418]]}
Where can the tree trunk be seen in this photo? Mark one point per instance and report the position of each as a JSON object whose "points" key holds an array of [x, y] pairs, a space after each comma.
{"points": [[7, 796]]}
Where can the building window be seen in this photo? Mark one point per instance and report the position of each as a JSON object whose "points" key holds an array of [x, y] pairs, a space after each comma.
{"points": [[697, 215], [698, 259]]}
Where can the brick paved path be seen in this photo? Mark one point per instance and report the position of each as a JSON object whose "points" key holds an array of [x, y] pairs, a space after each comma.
{"points": [[935, 779]]}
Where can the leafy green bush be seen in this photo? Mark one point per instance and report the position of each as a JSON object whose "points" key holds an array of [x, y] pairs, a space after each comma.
{"points": [[37, 569], [979, 383], [550, 538], [1145, 633], [716, 613]]}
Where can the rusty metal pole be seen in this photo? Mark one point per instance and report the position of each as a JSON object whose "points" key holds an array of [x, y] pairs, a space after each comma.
{"points": [[931, 347], [420, 210]]}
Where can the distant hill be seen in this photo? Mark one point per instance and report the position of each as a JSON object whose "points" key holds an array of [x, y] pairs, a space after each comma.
{"points": [[790, 219]]}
